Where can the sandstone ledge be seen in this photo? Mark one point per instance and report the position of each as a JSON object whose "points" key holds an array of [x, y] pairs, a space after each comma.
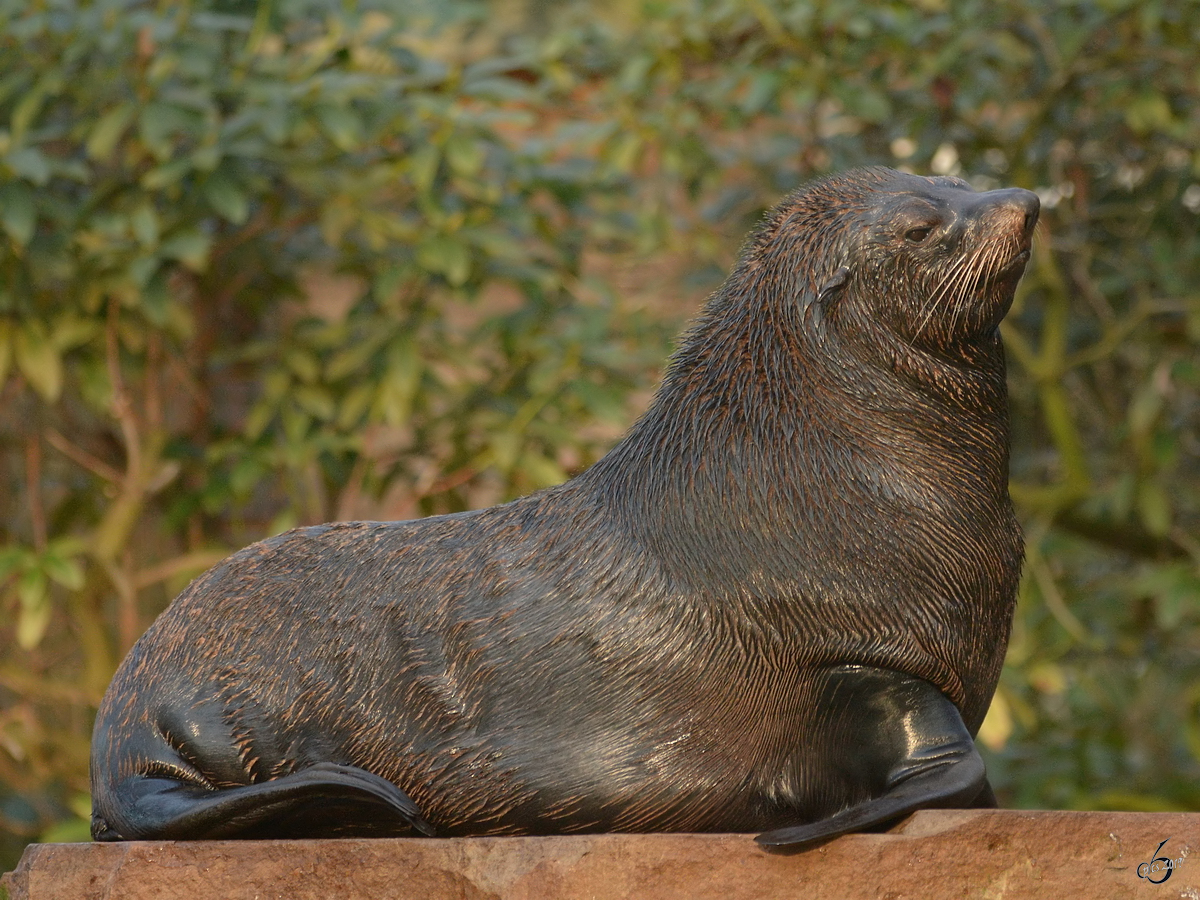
{"points": [[994, 854]]}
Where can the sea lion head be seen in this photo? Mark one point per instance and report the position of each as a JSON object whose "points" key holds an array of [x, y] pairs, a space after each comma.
{"points": [[931, 260]]}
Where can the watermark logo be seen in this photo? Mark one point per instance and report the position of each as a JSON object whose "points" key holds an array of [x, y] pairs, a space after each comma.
{"points": [[1159, 868]]}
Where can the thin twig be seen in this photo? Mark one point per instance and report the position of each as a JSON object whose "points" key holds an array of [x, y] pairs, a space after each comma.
{"points": [[121, 407], [187, 380], [37, 687], [128, 621], [347, 501], [452, 480], [1020, 348], [81, 457], [128, 627], [152, 403], [196, 561], [1188, 543], [33, 486], [1114, 335], [1053, 599]]}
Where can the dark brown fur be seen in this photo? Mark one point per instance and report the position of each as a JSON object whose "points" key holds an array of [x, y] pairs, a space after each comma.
{"points": [[820, 486]]}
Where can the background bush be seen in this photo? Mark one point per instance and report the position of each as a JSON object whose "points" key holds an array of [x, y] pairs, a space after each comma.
{"points": [[265, 264]]}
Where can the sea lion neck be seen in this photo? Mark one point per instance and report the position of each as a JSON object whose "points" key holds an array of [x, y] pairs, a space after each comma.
{"points": [[752, 430], [785, 408]]}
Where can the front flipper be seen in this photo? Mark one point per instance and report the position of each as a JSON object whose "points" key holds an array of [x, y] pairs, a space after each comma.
{"points": [[900, 737], [166, 808]]}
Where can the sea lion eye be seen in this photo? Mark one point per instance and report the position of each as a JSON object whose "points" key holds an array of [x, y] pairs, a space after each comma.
{"points": [[917, 235]]}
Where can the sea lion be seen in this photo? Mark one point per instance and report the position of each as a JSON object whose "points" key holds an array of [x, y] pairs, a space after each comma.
{"points": [[780, 603]]}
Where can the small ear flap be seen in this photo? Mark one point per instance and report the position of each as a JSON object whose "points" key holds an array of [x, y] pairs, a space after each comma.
{"points": [[836, 280]]}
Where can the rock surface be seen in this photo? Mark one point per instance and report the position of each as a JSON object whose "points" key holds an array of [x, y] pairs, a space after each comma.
{"points": [[993, 854]]}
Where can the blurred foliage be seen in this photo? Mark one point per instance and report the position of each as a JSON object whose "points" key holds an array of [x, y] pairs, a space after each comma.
{"points": [[264, 264]]}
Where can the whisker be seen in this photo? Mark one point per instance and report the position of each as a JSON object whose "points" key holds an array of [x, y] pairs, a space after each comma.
{"points": [[953, 283], [987, 268], [937, 294]]}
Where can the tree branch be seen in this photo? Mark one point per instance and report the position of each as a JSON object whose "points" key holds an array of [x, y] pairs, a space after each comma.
{"points": [[81, 457]]}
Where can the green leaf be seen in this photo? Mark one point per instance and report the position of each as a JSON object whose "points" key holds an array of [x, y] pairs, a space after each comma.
{"points": [[541, 470], [505, 446], [189, 247], [625, 151], [1144, 409], [316, 401], [227, 198], [350, 359], [496, 244], [108, 131], [166, 174], [206, 158], [1174, 587], [423, 166], [295, 423], [72, 330], [603, 403], [17, 212], [1154, 508], [32, 623], [158, 125], [399, 385], [32, 588], [258, 419], [447, 257], [26, 111], [285, 521], [763, 88], [68, 545], [29, 163], [6, 342], [1148, 112], [276, 383], [870, 105], [156, 298], [304, 364], [140, 270], [465, 155], [354, 406], [39, 360], [144, 222], [342, 125], [246, 474], [13, 558], [64, 570]]}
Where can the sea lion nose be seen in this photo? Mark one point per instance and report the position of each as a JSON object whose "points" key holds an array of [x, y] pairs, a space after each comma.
{"points": [[1018, 202]]}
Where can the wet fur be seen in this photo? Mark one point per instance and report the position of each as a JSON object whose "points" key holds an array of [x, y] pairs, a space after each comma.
{"points": [[820, 481]]}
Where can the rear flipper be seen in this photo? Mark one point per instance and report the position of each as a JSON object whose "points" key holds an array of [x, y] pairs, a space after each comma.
{"points": [[164, 808], [901, 737]]}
